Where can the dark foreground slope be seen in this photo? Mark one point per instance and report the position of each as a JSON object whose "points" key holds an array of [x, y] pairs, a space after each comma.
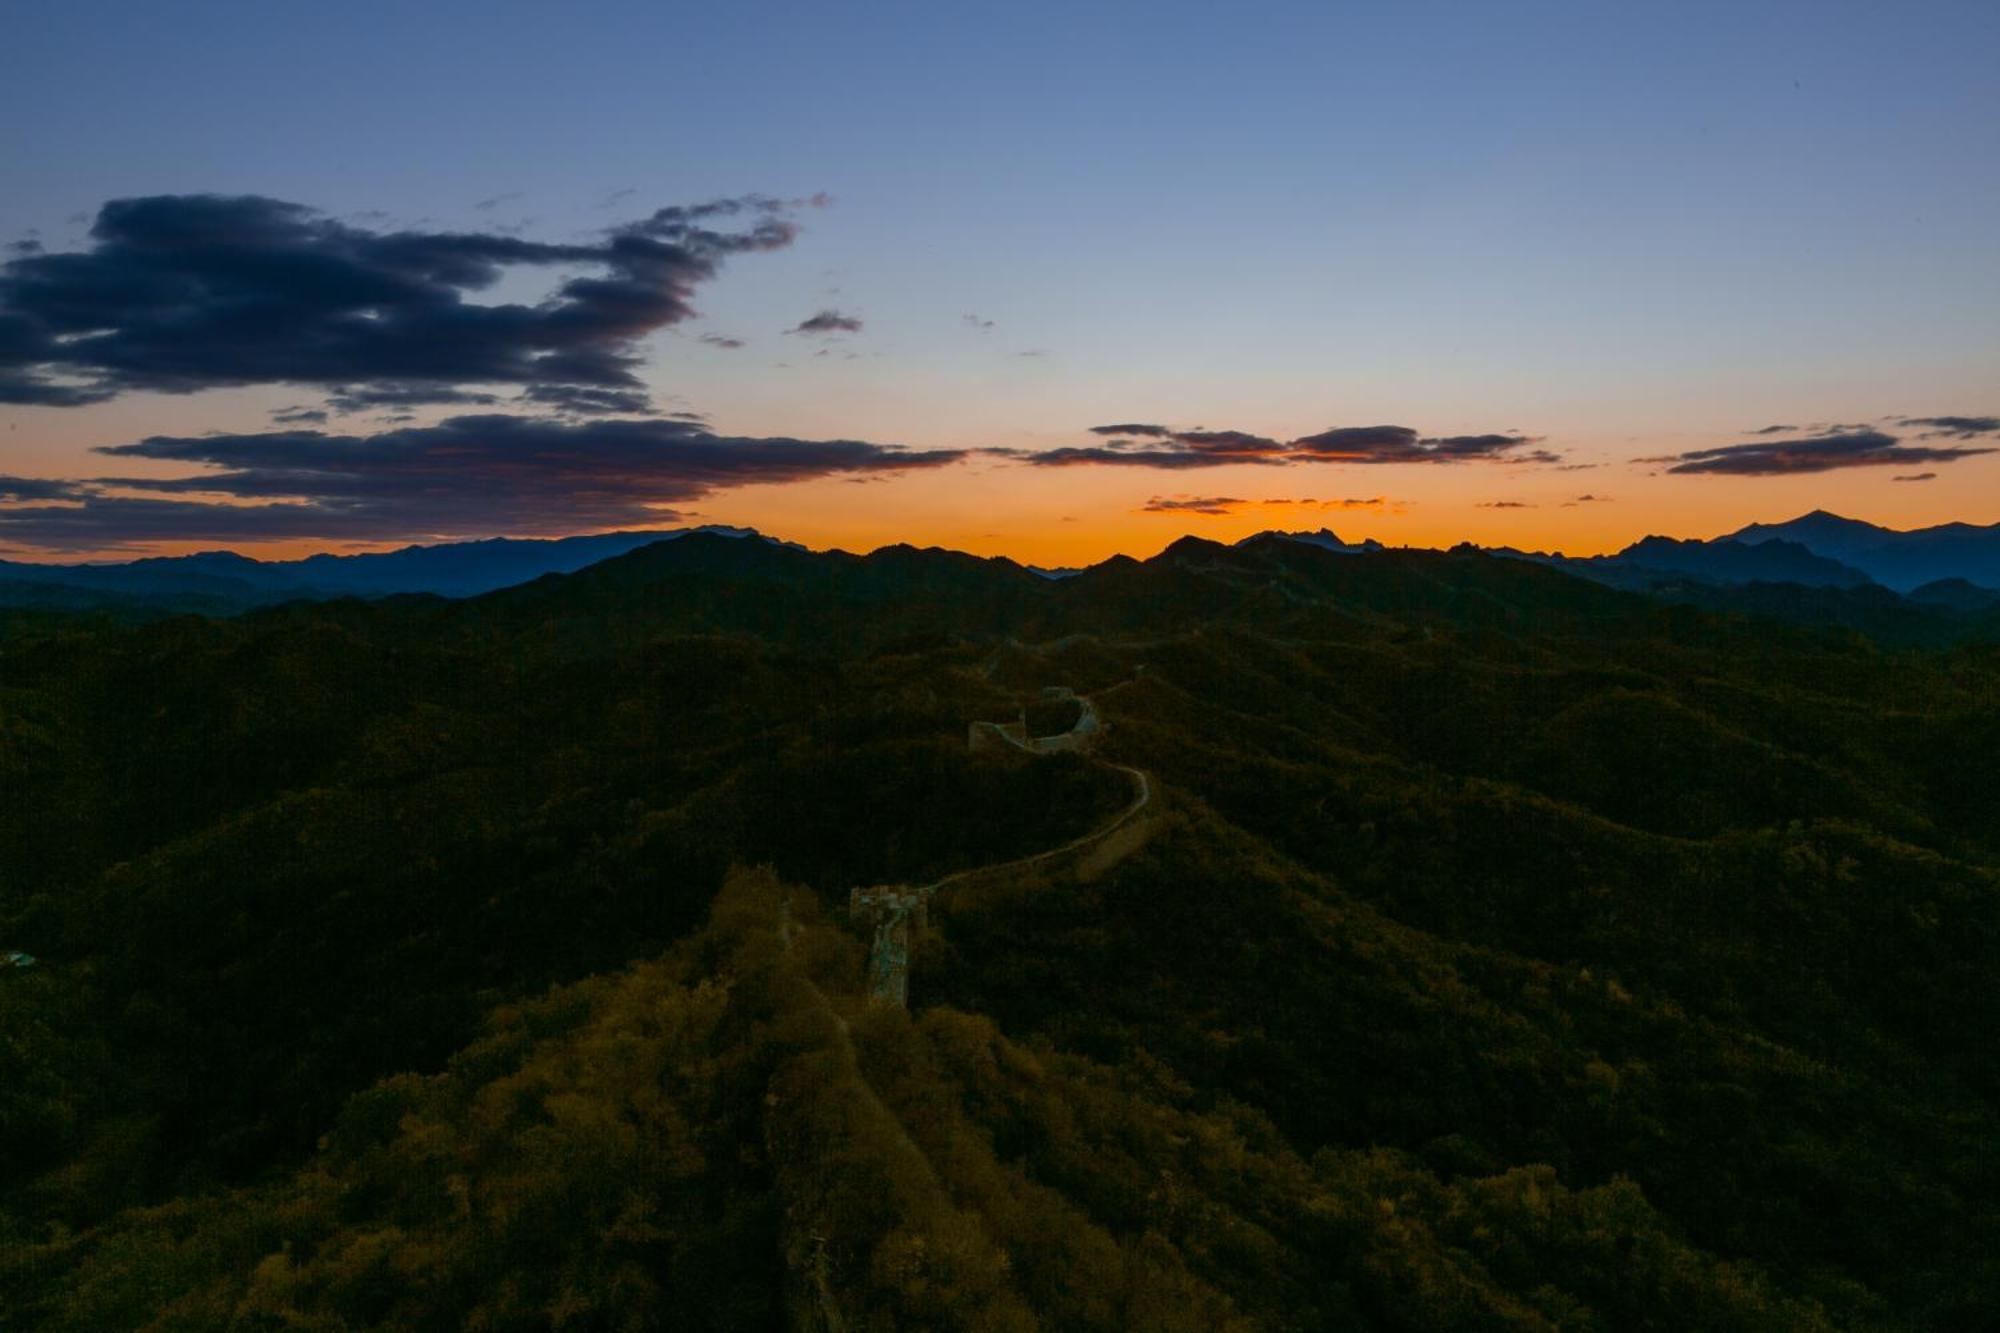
{"points": [[1505, 951]]}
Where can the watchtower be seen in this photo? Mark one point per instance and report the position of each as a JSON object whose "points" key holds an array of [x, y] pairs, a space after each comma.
{"points": [[896, 910]]}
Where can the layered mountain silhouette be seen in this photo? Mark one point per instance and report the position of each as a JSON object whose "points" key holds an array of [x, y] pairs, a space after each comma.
{"points": [[1816, 550], [1901, 560], [1721, 561], [1930, 585], [222, 581]]}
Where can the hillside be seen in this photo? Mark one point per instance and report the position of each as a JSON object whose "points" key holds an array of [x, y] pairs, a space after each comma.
{"points": [[1496, 950]]}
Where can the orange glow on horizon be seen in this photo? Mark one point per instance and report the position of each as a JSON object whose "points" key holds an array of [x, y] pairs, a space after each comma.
{"points": [[1081, 515]]}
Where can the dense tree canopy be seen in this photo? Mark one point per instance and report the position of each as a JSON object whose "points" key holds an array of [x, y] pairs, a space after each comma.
{"points": [[1500, 951]]}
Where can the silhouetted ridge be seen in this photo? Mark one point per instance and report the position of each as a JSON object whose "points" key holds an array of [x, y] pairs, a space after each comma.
{"points": [[1956, 595], [1727, 561], [1902, 560]]}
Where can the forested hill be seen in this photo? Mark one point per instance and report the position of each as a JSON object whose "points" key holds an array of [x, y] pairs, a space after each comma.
{"points": [[1503, 951], [1272, 584]]}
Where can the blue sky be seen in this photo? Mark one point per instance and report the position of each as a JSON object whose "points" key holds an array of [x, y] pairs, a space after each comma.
{"points": [[1627, 229]]}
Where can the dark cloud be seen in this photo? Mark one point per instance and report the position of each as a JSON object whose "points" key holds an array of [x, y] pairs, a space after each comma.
{"points": [[38, 488], [1957, 428], [488, 205], [25, 246], [1228, 442], [1362, 440], [1772, 430], [465, 476], [403, 397], [719, 340], [1162, 447], [1920, 476], [1504, 504], [827, 322], [1401, 444], [1845, 448], [1169, 459], [975, 322], [1168, 447], [576, 400], [1224, 504], [178, 293], [1195, 504], [31, 391], [299, 416]]}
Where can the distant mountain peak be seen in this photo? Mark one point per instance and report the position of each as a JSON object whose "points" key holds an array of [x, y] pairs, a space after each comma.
{"points": [[1191, 546], [1818, 521], [1325, 538], [1902, 559]]}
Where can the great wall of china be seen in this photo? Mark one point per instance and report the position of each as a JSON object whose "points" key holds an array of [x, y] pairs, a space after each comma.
{"points": [[898, 912]]}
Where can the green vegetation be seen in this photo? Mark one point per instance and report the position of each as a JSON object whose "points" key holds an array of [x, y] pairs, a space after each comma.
{"points": [[1504, 952]]}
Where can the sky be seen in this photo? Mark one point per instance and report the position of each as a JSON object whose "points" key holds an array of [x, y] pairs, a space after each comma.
{"points": [[285, 278]]}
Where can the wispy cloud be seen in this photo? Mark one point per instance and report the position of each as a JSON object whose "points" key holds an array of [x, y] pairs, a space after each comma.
{"points": [[402, 397], [1192, 504], [1957, 428], [33, 489], [1401, 444], [826, 323], [1148, 445], [1847, 447], [1228, 504], [576, 400]]}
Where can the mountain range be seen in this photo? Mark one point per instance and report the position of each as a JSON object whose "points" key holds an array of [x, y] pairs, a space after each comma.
{"points": [[1899, 560], [1918, 585], [225, 581], [1815, 550], [1496, 949]]}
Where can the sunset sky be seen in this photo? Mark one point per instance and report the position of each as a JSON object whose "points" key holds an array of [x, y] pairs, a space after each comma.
{"points": [[288, 278]]}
